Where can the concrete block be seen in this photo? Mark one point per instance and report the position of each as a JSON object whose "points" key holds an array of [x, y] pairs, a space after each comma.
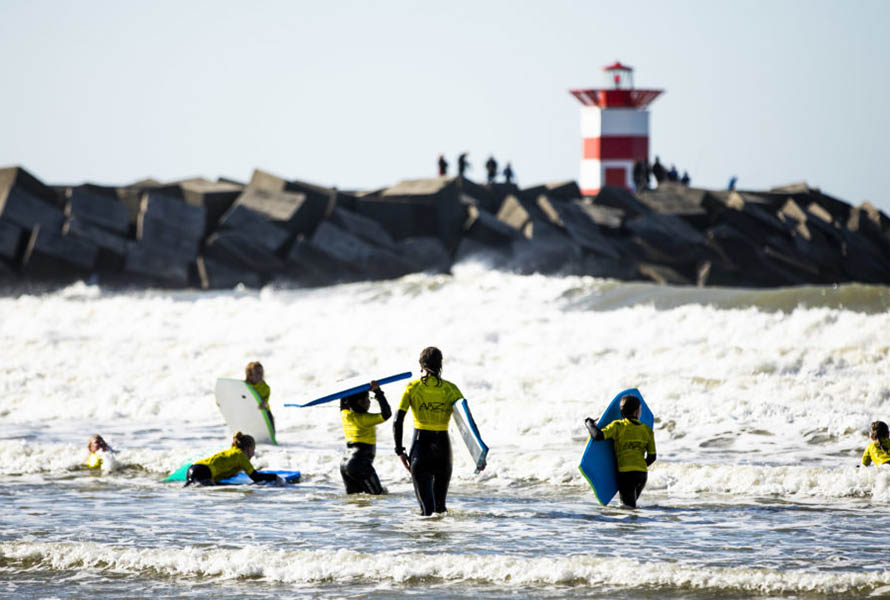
{"points": [[347, 249], [157, 264], [215, 196], [295, 211], [426, 254], [102, 209], [18, 177], [242, 252], [581, 228], [513, 213], [161, 233], [255, 227], [51, 255], [174, 213], [363, 227], [10, 241], [20, 206], [623, 199], [80, 228], [487, 229]]}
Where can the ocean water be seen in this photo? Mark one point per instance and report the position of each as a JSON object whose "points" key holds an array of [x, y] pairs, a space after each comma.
{"points": [[762, 402]]}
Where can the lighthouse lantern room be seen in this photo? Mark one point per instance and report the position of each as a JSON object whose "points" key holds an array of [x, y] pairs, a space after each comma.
{"points": [[614, 130]]}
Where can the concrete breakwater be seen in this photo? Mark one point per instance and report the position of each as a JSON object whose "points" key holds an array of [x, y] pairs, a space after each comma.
{"points": [[217, 234]]}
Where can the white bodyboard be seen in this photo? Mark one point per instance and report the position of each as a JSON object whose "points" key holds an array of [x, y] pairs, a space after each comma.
{"points": [[239, 404], [470, 433]]}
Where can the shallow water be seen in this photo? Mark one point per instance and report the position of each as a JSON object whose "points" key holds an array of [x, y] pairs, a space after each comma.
{"points": [[762, 400]]}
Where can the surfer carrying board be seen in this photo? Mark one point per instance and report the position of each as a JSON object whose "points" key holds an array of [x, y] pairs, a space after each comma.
{"points": [[634, 448], [253, 376], [228, 463], [431, 401], [359, 428]]}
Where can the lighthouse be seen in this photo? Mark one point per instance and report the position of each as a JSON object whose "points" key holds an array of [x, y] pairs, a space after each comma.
{"points": [[614, 130]]}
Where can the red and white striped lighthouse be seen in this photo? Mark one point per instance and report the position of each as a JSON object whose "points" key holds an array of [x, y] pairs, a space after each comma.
{"points": [[615, 130]]}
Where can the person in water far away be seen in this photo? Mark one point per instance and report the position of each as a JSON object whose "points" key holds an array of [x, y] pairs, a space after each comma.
{"points": [[100, 453], [357, 467], [228, 463], [634, 448], [878, 451]]}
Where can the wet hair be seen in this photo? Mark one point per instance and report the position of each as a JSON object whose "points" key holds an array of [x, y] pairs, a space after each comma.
{"points": [[242, 441], [629, 406], [431, 362], [103, 445], [250, 368], [879, 430], [351, 402]]}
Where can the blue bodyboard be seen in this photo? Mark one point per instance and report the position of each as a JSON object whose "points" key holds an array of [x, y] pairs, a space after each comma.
{"points": [[364, 387], [239, 479], [598, 461]]}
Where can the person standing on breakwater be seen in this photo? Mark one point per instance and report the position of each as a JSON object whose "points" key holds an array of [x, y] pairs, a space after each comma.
{"points": [[491, 169], [431, 399], [462, 164], [357, 467], [508, 174], [443, 166]]}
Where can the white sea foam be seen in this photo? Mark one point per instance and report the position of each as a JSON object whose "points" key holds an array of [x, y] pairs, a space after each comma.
{"points": [[321, 566]]}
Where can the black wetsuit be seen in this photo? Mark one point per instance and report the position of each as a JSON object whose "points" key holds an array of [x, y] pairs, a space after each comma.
{"points": [[357, 469], [430, 461]]}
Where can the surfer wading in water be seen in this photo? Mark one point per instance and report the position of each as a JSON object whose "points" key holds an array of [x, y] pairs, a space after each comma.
{"points": [[634, 448], [357, 467], [431, 399]]}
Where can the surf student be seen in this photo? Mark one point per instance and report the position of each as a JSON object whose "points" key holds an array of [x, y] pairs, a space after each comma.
{"points": [[228, 463], [634, 448], [431, 399], [359, 428], [253, 376], [99, 450], [878, 451]]}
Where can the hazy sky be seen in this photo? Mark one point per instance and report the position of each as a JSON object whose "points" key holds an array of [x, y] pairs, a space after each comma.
{"points": [[364, 94]]}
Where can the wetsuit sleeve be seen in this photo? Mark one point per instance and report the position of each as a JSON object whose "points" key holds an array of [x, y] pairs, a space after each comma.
{"points": [[258, 476], [397, 425], [385, 410], [593, 430]]}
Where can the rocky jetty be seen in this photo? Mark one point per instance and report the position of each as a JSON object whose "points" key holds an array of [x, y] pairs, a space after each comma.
{"points": [[216, 234]]}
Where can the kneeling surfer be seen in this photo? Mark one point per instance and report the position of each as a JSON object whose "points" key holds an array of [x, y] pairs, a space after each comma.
{"points": [[357, 466], [634, 448], [228, 463]]}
